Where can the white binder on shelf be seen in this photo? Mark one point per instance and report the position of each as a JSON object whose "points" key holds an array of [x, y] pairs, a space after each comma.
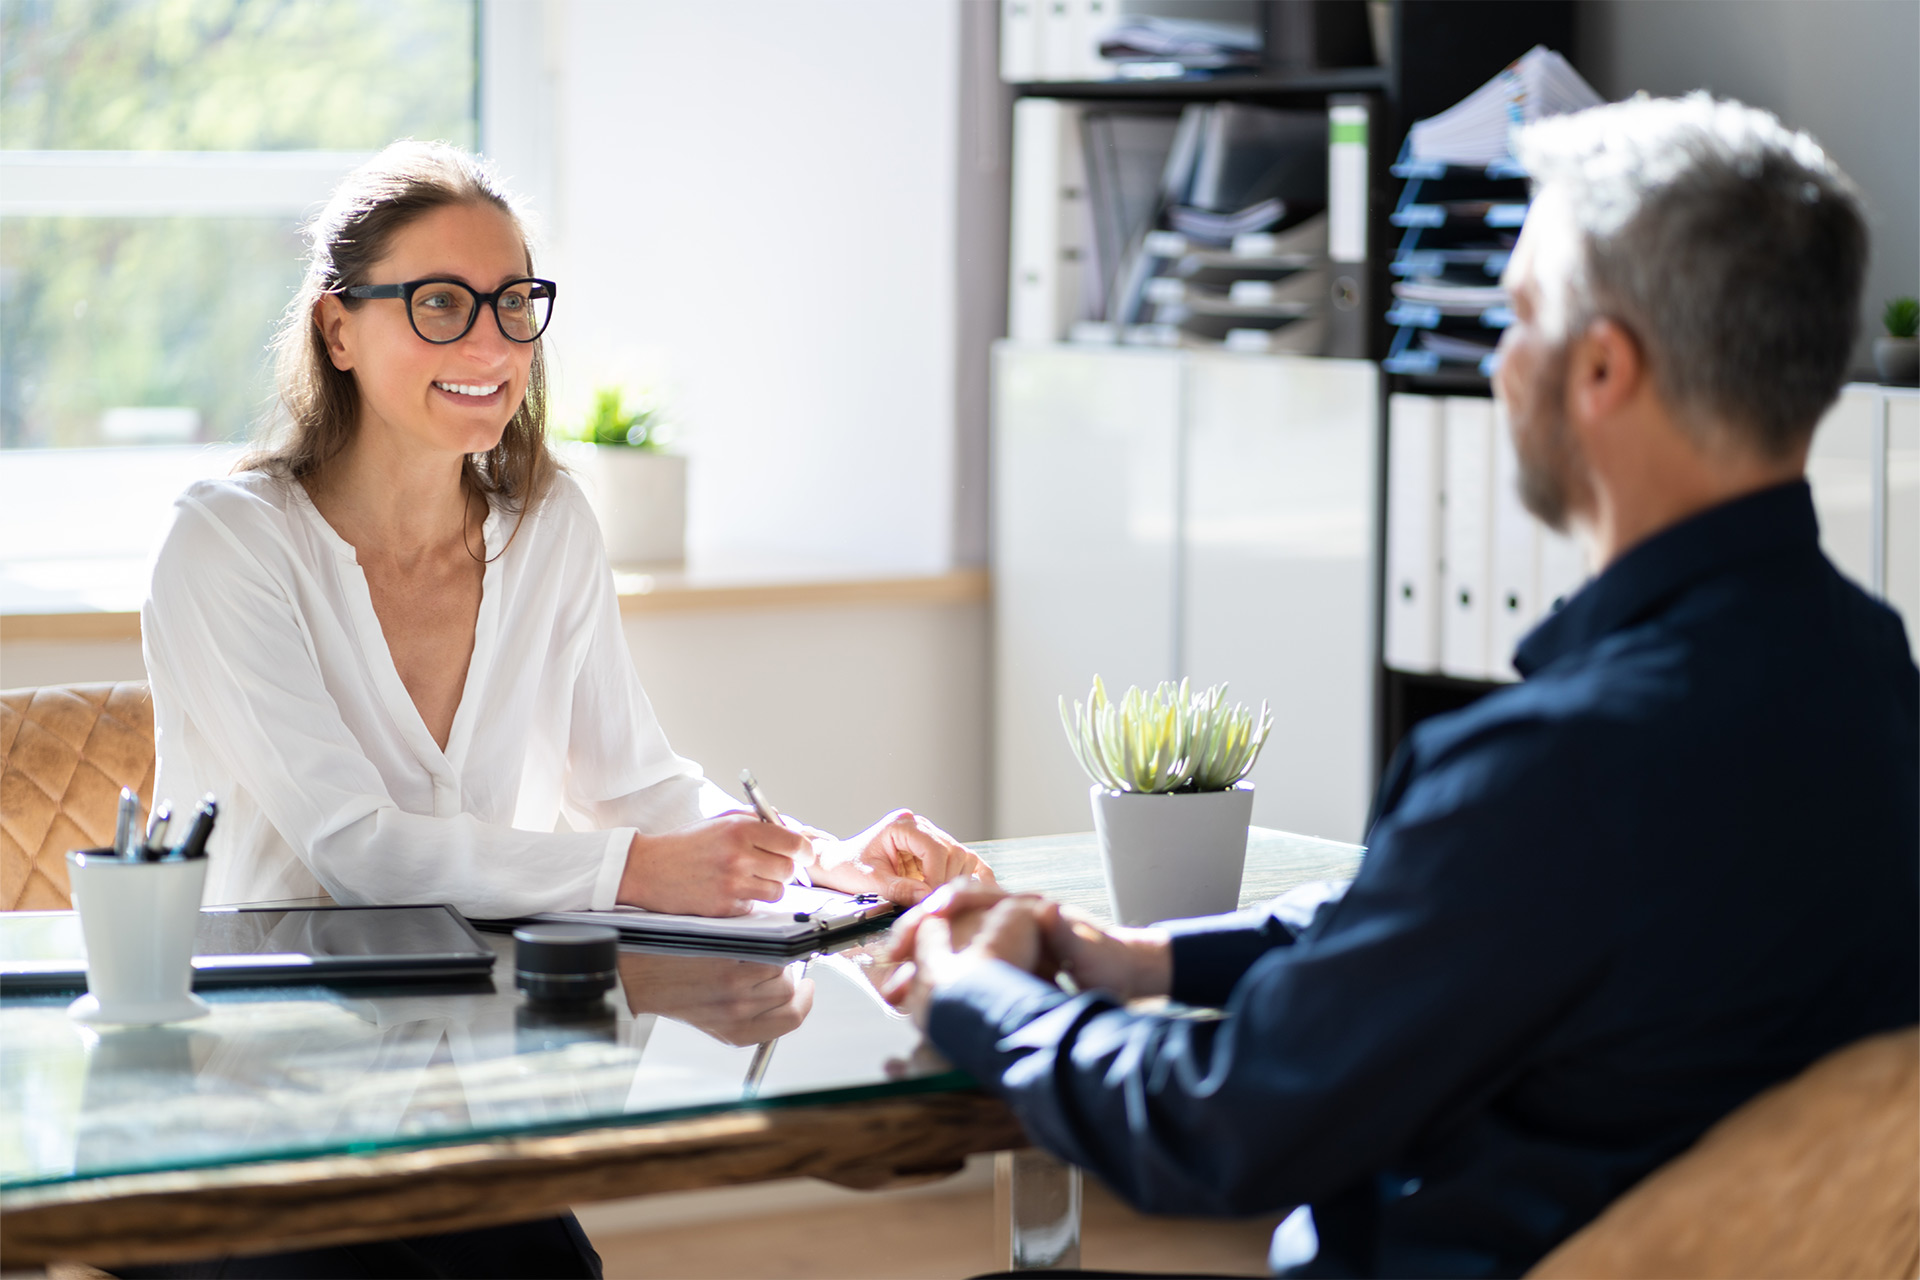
{"points": [[1050, 222], [1059, 30], [1091, 20], [1020, 40], [1464, 635], [1514, 604], [1349, 308], [1416, 453]]}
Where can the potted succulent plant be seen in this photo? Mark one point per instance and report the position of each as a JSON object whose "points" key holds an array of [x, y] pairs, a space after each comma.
{"points": [[638, 490], [1897, 355], [1171, 802]]}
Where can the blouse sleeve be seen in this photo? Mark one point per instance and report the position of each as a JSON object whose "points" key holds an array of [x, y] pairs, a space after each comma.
{"points": [[229, 640]]}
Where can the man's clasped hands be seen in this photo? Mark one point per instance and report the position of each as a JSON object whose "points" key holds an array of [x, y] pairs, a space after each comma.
{"points": [[967, 923]]}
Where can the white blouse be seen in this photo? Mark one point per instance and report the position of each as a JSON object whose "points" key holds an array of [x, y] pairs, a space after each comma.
{"points": [[273, 689]]}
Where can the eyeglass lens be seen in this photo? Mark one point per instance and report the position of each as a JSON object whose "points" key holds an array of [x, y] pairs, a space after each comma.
{"points": [[443, 311]]}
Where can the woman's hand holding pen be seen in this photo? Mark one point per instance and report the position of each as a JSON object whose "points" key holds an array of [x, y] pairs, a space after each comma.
{"points": [[719, 867], [902, 858]]}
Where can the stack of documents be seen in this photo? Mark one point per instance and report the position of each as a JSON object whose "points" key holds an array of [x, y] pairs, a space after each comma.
{"points": [[804, 917], [1181, 45], [1453, 299], [1225, 205], [1235, 175], [1222, 228], [1478, 129], [1452, 347]]}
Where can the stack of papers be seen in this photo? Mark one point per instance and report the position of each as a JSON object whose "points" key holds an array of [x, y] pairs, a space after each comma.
{"points": [[1478, 130], [805, 915], [1452, 298], [1453, 347], [1192, 45], [1207, 227]]}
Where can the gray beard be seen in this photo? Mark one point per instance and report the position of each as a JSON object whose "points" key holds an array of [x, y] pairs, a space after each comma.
{"points": [[1548, 456]]}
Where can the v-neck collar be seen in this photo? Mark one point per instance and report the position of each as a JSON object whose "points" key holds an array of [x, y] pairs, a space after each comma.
{"points": [[444, 766]]}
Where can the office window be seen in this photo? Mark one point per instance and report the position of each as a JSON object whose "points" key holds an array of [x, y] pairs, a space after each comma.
{"points": [[156, 161]]}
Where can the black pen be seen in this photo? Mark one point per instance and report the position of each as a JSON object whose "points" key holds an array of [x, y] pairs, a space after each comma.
{"points": [[195, 845], [769, 814]]}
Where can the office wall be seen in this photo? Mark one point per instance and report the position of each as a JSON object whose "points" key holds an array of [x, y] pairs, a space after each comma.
{"points": [[843, 712], [753, 208], [1841, 69]]}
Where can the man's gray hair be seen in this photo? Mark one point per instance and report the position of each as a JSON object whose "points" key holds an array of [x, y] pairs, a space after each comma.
{"points": [[1732, 248]]}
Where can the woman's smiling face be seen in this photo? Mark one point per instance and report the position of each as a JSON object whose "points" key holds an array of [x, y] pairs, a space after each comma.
{"points": [[455, 397]]}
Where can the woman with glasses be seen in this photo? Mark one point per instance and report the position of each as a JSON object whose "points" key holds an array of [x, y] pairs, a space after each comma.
{"points": [[390, 645]]}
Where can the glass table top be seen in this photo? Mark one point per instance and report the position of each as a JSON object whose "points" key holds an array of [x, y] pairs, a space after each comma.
{"points": [[281, 1072]]}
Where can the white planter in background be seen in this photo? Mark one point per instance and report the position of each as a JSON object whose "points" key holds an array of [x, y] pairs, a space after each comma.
{"points": [[641, 499], [1897, 360], [1171, 857]]}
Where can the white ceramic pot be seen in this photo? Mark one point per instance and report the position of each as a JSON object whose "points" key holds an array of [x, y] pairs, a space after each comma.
{"points": [[1171, 857], [138, 920], [641, 499]]}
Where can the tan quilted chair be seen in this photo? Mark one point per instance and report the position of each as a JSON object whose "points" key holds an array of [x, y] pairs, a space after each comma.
{"points": [[65, 752], [1816, 1177]]}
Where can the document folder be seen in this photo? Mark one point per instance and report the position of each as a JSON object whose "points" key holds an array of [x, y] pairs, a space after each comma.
{"points": [[803, 918]]}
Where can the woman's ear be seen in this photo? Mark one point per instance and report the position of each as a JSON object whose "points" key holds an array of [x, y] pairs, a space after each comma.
{"points": [[330, 317]]}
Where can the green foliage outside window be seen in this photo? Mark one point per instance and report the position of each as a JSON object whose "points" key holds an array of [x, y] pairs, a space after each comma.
{"points": [[235, 75], [98, 313], [108, 312]]}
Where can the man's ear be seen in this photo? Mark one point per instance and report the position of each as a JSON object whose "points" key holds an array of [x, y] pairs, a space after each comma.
{"points": [[330, 317], [1605, 370]]}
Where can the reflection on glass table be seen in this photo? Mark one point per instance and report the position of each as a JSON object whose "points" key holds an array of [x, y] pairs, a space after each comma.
{"points": [[286, 1072]]}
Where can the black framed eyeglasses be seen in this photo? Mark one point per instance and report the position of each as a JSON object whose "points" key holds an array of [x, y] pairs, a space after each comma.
{"points": [[442, 311]]}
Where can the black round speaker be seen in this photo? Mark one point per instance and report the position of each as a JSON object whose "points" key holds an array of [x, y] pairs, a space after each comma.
{"points": [[565, 963]]}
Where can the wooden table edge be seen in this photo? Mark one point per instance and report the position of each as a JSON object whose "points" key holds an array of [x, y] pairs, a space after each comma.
{"points": [[339, 1199]]}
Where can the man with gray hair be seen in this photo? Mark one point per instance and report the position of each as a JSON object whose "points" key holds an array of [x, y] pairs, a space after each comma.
{"points": [[1599, 909]]}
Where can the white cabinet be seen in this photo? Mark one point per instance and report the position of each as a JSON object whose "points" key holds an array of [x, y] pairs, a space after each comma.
{"points": [[1165, 513], [1842, 473], [1085, 464], [1865, 472], [1279, 572], [1900, 412]]}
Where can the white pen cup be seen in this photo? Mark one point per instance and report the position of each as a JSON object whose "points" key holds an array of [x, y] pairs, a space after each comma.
{"points": [[138, 920]]}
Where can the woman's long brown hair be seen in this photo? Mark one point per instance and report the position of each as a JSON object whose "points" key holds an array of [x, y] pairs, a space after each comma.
{"points": [[319, 404]]}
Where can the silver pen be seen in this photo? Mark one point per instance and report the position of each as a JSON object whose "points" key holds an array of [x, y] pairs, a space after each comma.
{"points": [[769, 814], [157, 824], [127, 823]]}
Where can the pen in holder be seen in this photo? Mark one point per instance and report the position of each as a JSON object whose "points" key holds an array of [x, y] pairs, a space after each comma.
{"points": [[138, 919]]}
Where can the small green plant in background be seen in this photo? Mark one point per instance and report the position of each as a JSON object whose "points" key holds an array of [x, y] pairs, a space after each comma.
{"points": [[1902, 317], [610, 422], [1169, 740]]}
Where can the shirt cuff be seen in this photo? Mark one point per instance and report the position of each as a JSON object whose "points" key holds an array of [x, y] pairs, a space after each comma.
{"points": [[613, 865], [971, 1015], [1212, 952]]}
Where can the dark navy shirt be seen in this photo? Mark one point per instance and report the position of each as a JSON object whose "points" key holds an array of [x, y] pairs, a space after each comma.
{"points": [[1600, 909]]}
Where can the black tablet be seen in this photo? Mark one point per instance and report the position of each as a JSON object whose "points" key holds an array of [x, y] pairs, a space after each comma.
{"points": [[264, 946]]}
